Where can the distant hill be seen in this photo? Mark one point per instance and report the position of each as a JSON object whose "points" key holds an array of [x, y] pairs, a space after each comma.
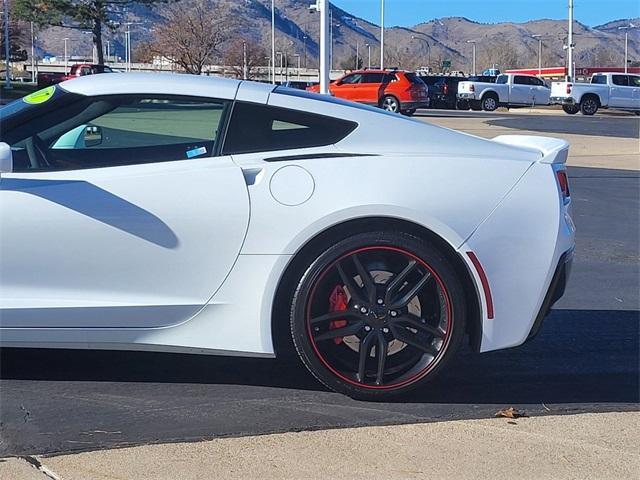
{"points": [[505, 44]]}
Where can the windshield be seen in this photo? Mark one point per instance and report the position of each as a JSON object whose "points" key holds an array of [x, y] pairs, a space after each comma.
{"points": [[34, 105]]}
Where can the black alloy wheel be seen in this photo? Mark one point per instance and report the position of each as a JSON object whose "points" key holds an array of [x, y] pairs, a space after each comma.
{"points": [[377, 314]]}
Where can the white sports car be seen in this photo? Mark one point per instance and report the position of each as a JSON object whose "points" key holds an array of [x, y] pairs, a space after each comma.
{"points": [[205, 215]]}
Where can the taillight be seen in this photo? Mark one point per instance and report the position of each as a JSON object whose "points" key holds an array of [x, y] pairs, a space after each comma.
{"points": [[445, 89], [563, 183], [472, 88], [569, 86]]}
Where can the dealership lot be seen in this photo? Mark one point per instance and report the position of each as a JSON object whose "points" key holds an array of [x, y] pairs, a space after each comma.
{"points": [[584, 360]]}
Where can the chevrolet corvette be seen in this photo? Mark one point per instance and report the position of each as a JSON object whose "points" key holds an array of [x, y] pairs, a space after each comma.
{"points": [[192, 214]]}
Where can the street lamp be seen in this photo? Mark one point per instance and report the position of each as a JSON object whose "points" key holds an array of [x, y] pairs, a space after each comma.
{"points": [[473, 42], [368, 45], [33, 56], [245, 72], [381, 34], [539, 37], [413, 37], [570, 45], [304, 42], [626, 45]]}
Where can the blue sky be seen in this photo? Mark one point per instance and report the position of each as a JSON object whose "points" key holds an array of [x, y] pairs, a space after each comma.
{"points": [[411, 12]]}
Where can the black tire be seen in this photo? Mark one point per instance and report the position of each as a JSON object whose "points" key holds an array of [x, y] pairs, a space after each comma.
{"points": [[390, 104], [463, 105], [490, 102], [436, 309], [475, 105], [589, 105], [409, 113], [571, 109]]}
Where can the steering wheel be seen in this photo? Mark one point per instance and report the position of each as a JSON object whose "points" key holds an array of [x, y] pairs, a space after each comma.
{"points": [[37, 153]]}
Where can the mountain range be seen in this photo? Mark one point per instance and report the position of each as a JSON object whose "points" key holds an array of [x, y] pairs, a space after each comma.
{"points": [[431, 42]]}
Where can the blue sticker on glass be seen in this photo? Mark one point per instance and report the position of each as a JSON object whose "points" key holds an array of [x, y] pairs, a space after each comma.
{"points": [[196, 151]]}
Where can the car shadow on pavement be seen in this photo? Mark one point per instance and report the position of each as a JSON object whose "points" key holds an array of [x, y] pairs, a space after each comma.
{"points": [[580, 356]]}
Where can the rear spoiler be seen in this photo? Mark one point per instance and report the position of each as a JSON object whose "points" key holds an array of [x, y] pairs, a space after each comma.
{"points": [[552, 150]]}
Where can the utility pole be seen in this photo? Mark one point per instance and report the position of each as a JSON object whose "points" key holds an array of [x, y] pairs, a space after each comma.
{"points": [[7, 49], [570, 45], [323, 7], [357, 54], [368, 45], [273, 41], [281, 65], [381, 34], [539, 37]]}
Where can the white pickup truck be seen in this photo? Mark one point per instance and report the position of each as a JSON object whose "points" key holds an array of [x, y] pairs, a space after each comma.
{"points": [[606, 90], [509, 90]]}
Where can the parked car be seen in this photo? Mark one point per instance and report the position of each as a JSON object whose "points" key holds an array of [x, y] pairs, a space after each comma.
{"points": [[393, 90], [298, 84], [77, 70], [606, 90], [199, 214], [509, 90], [443, 90]]}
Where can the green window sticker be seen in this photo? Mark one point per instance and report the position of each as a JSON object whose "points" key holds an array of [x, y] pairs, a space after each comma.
{"points": [[40, 96]]}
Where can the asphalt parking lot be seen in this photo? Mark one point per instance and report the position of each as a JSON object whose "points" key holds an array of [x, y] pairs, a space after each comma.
{"points": [[586, 359]]}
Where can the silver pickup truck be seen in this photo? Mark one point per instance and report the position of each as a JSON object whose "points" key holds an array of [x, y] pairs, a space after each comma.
{"points": [[508, 90], [606, 90]]}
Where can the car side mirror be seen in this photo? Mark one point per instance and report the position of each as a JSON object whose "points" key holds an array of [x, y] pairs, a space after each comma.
{"points": [[6, 158], [92, 136]]}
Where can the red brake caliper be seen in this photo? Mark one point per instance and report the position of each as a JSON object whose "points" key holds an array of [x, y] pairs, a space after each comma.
{"points": [[338, 303]]}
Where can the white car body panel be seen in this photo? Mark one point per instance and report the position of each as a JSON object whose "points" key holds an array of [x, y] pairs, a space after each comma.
{"points": [[235, 235]]}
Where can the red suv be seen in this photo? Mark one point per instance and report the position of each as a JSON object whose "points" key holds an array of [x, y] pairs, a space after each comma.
{"points": [[393, 90]]}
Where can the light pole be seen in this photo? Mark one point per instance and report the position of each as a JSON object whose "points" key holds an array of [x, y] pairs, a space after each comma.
{"points": [[66, 56], [323, 7], [7, 49], [413, 37], [108, 49], [626, 45], [381, 34], [297, 55], [33, 56], [368, 45], [570, 45], [357, 54], [245, 72], [539, 37], [304, 42], [473, 42], [268, 59], [273, 41], [281, 57]]}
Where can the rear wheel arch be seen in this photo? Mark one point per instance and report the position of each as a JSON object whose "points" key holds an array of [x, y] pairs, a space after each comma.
{"points": [[280, 312]]}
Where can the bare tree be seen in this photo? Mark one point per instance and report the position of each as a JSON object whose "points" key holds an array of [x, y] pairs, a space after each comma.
{"points": [[498, 52], [234, 57], [193, 33]]}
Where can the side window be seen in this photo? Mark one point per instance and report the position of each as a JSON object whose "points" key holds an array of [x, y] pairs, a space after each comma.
{"points": [[599, 79], [372, 78], [503, 80], [352, 79], [121, 130], [634, 81], [521, 80], [261, 128], [620, 80], [85, 71]]}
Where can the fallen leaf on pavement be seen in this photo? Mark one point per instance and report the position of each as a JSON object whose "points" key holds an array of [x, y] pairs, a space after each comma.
{"points": [[510, 413]]}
